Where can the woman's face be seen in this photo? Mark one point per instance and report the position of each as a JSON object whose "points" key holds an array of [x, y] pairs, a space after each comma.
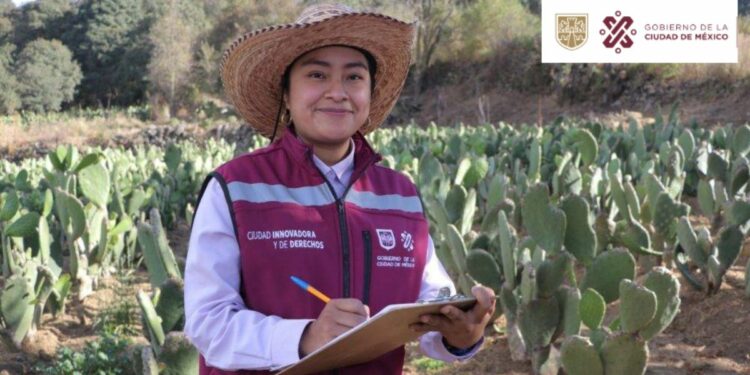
{"points": [[329, 95]]}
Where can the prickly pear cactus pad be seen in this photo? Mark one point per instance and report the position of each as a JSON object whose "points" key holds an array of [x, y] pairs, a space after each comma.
{"points": [[544, 221]]}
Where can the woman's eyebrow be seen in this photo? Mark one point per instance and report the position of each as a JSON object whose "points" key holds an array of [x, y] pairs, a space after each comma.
{"points": [[355, 64]]}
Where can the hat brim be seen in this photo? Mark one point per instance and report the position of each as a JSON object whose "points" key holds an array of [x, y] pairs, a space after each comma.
{"points": [[253, 66]]}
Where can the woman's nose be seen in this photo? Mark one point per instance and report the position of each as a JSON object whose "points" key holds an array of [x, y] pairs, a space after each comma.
{"points": [[336, 90]]}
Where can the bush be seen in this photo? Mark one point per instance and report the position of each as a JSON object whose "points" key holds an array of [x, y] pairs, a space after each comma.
{"points": [[106, 355], [482, 27], [47, 75]]}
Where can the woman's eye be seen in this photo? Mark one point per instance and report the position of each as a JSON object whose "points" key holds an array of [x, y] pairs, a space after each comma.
{"points": [[355, 77], [316, 75]]}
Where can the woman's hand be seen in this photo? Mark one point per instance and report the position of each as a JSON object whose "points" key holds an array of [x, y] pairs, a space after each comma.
{"points": [[337, 317], [461, 329]]}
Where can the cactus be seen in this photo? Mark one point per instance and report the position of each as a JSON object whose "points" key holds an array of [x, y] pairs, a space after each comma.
{"points": [[741, 140], [507, 250], [738, 176], [538, 321], [483, 267], [94, 182], [16, 305], [178, 356], [729, 246], [717, 167], [159, 258], [152, 321], [570, 299], [467, 214], [24, 226], [667, 213], [706, 197], [455, 203], [689, 242], [713, 260], [71, 215], [687, 143], [592, 308], [738, 212], [637, 307], [633, 236], [545, 222], [605, 231], [10, 205], [580, 357], [171, 306], [550, 274], [645, 311], [580, 238], [587, 146], [667, 289], [624, 354], [535, 161], [606, 272]]}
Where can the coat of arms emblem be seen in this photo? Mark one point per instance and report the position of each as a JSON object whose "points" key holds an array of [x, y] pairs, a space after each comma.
{"points": [[386, 238], [571, 31]]}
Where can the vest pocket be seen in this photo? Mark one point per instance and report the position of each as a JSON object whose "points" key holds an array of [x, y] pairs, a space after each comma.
{"points": [[368, 266]]}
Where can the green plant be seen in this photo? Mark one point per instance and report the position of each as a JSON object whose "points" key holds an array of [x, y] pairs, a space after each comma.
{"points": [[428, 365], [119, 319], [104, 356], [645, 311]]}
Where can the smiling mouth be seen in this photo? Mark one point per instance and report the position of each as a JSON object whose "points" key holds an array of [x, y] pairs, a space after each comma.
{"points": [[334, 111]]}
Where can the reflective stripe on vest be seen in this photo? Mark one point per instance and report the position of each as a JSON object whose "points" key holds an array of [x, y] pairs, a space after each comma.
{"points": [[319, 195], [366, 199]]}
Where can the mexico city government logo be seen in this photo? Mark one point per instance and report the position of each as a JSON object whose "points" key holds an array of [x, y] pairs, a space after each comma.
{"points": [[617, 31]]}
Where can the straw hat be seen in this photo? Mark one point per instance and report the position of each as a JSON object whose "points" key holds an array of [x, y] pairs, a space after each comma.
{"points": [[253, 66]]}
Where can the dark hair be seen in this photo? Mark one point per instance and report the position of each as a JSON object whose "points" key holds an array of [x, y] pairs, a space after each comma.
{"points": [[372, 67]]}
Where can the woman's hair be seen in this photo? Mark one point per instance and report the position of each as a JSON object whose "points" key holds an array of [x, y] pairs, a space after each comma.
{"points": [[372, 67]]}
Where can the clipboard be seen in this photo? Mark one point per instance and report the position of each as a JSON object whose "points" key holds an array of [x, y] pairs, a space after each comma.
{"points": [[383, 332]]}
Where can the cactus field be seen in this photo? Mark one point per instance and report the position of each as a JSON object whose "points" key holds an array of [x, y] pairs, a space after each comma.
{"points": [[612, 249]]}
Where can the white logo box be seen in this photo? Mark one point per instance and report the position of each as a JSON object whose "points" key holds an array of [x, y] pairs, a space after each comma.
{"points": [[705, 31]]}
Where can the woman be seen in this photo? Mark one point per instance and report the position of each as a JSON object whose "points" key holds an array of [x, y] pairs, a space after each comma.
{"points": [[314, 204]]}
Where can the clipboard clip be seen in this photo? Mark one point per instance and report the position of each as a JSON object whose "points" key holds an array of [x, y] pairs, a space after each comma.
{"points": [[444, 295]]}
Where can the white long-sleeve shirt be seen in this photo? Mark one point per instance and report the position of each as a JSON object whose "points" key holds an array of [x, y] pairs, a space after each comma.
{"points": [[228, 334]]}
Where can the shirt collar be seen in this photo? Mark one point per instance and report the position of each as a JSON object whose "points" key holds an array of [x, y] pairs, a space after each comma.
{"points": [[346, 164]]}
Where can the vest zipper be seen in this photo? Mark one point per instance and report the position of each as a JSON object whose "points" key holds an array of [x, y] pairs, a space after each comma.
{"points": [[368, 267], [345, 246], [345, 253]]}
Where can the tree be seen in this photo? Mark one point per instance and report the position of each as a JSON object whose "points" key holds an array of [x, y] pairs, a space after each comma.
{"points": [[47, 75], [109, 38], [6, 21], [433, 30], [241, 16], [9, 100], [171, 57], [42, 19]]}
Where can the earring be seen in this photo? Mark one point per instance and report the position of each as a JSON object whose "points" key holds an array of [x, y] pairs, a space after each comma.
{"points": [[286, 117]]}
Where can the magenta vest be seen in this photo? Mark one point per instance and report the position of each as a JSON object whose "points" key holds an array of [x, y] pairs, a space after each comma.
{"points": [[370, 244]]}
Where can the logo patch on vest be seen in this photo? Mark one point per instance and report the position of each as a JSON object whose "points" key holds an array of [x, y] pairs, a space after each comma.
{"points": [[386, 238], [407, 241]]}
